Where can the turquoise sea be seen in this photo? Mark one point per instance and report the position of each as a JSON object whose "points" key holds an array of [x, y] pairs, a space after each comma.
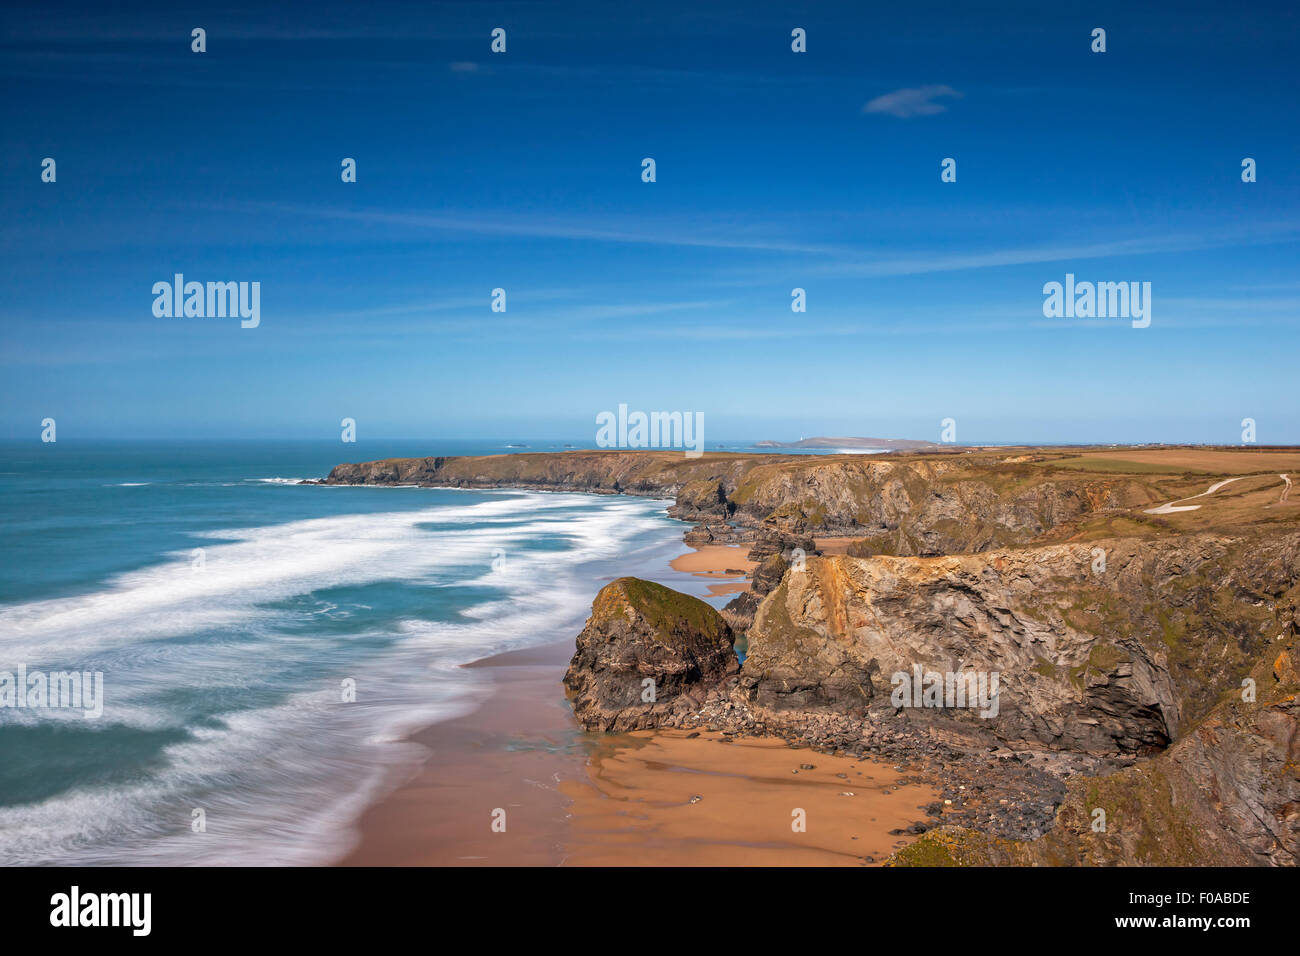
{"points": [[228, 609]]}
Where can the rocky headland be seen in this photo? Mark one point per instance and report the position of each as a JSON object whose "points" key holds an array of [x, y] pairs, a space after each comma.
{"points": [[1133, 676]]}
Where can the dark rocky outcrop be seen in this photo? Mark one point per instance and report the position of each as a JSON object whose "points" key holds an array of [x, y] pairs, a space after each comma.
{"points": [[664, 474], [769, 574], [770, 540], [702, 500], [645, 654], [741, 609], [715, 532], [860, 549]]}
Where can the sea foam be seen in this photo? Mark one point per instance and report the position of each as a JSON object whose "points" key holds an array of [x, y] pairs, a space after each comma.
{"points": [[241, 659]]}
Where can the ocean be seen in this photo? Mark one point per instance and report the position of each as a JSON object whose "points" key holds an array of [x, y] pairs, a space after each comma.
{"points": [[232, 612]]}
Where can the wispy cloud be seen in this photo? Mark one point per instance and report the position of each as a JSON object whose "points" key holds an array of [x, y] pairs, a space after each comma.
{"points": [[552, 228], [958, 260], [913, 101], [837, 260]]}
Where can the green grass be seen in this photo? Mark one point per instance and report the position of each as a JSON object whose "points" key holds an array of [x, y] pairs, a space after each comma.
{"points": [[1118, 466]]}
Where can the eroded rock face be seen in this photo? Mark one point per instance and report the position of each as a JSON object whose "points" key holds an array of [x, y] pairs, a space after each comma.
{"points": [[744, 605], [1226, 794], [702, 500], [1112, 662], [646, 653], [1242, 766], [768, 575], [657, 473], [770, 540]]}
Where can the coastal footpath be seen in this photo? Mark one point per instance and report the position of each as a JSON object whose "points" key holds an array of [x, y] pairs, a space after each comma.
{"points": [[1146, 707]]}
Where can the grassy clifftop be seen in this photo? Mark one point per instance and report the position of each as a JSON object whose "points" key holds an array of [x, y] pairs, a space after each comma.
{"points": [[908, 503]]}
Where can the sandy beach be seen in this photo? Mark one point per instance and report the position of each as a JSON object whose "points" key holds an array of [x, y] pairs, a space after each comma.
{"points": [[722, 562], [727, 564], [648, 798], [834, 545], [671, 798]]}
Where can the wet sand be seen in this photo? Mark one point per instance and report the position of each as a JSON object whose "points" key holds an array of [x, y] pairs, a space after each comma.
{"points": [[509, 754], [572, 798]]}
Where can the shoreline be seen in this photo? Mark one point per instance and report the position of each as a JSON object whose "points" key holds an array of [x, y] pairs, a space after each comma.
{"points": [[569, 797], [442, 814]]}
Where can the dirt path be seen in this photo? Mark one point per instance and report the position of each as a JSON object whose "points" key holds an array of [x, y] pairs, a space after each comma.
{"points": [[1173, 506]]}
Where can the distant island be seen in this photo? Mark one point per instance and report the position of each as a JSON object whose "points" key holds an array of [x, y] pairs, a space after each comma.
{"points": [[884, 444]]}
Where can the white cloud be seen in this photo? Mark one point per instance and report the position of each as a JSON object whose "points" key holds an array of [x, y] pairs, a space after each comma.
{"points": [[919, 101]]}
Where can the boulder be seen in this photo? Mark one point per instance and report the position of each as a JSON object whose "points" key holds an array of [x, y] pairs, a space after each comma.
{"points": [[713, 532], [646, 652]]}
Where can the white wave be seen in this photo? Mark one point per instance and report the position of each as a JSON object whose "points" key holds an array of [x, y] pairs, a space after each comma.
{"points": [[276, 562], [282, 783]]}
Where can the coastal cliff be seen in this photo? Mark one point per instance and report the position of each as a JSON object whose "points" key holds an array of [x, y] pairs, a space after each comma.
{"points": [[928, 504], [1115, 661], [1226, 794], [1181, 653], [1119, 691], [1128, 636], [654, 474]]}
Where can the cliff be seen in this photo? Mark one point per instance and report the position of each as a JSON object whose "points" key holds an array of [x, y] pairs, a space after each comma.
{"points": [[1227, 794], [1160, 691], [1127, 637], [921, 504], [1113, 661], [651, 473]]}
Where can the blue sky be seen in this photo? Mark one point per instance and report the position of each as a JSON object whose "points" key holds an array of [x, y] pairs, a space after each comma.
{"points": [[522, 171]]}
